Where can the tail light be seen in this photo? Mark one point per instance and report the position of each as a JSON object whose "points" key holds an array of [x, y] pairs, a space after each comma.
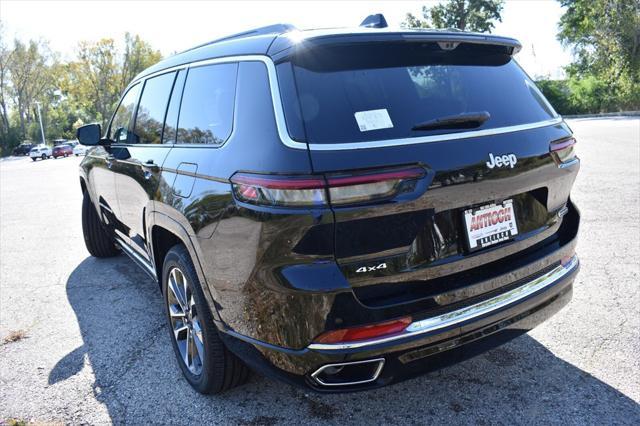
{"points": [[365, 332], [563, 151], [318, 191]]}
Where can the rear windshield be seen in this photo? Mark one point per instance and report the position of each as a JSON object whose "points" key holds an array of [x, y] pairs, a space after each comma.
{"points": [[358, 93]]}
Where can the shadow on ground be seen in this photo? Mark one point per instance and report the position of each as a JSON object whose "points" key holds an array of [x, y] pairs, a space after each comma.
{"points": [[119, 312]]}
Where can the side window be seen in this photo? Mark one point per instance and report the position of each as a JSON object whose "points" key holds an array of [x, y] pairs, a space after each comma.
{"points": [[152, 108], [119, 129], [206, 113], [171, 122]]}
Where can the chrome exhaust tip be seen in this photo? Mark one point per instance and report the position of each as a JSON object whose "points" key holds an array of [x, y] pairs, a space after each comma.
{"points": [[348, 373]]}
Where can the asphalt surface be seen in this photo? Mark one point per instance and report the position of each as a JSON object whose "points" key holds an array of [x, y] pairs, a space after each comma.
{"points": [[96, 349]]}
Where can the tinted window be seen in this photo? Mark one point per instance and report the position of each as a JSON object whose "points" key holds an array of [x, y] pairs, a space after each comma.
{"points": [[152, 107], [171, 122], [118, 130], [206, 113], [380, 91]]}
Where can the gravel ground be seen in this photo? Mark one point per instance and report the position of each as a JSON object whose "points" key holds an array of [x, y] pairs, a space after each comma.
{"points": [[91, 345]]}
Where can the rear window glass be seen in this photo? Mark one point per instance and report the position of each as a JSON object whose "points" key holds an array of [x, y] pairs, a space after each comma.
{"points": [[206, 113], [350, 93]]}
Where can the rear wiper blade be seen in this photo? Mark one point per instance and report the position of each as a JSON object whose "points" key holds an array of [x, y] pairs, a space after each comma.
{"points": [[467, 120]]}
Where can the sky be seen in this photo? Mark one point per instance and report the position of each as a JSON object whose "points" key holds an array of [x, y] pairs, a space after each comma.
{"points": [[173, 26]]}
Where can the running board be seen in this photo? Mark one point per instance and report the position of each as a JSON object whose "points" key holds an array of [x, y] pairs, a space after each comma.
{"points": [[146, 266]]}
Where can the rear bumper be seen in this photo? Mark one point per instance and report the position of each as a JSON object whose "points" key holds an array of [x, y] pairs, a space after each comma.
{"points": [[428, 345]]}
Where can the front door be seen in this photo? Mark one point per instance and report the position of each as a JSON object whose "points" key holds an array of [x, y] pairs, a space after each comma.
{"points": [[101, 160], [139, 162]]}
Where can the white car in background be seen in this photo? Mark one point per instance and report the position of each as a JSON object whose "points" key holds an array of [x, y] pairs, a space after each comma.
{"points": [[40, 151], [79, 149]]}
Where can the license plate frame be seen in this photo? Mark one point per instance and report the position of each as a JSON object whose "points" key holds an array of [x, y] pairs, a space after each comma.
{"points": [[489, 224]]}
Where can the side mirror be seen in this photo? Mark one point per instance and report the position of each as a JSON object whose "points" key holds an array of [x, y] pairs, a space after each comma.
{"points": [[89, 135]]}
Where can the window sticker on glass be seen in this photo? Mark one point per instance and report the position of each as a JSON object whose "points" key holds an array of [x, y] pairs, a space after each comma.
{"points": [[373, 120]]}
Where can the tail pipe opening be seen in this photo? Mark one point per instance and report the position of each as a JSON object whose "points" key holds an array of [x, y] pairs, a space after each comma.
{"points": [[349, 373]]}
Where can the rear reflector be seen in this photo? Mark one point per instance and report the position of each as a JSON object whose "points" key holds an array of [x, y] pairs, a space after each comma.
{"points": [[364, 332], [318, 191]]}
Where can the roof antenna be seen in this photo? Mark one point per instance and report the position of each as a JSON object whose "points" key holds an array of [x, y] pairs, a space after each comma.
{"points": [[374, 21]]}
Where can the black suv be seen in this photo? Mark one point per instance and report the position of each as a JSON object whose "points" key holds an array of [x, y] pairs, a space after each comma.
{"points": [[22, 149], [340, 209]]}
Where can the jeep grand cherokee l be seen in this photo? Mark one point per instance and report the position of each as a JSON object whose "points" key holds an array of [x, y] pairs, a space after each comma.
{"points": [[339, 209]]}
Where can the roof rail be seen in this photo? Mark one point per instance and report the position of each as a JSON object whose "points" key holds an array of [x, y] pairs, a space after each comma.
{"points": [[269, 29]]}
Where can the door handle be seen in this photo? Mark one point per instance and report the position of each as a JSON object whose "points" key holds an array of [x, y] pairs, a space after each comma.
{"points": [[151, 165], [149, 168]]}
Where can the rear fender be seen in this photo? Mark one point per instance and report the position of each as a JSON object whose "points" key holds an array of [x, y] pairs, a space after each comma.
{"points": [[173, 226]]}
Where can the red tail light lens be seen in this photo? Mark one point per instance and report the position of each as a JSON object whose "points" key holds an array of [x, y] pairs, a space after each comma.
{"points": [[279, 190], [563, 151], [316, 191], [366, 187], [364, 332]]}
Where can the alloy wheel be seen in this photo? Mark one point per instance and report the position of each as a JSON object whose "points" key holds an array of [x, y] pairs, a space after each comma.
{"points": [[185, 323]]}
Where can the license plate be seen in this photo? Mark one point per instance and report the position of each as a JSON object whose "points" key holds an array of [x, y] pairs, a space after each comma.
{"points": [[489, 225]]}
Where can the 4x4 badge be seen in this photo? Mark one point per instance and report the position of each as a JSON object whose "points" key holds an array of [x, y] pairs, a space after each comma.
{"points": [[371, 268]]}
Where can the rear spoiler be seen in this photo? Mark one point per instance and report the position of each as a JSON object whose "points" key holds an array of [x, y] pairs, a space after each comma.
{"points": [[446, 39]]}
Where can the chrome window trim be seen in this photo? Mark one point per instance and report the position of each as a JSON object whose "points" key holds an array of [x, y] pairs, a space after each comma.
{"points": [[434, 138], [375, 376], [458, 316], [282, 125]]}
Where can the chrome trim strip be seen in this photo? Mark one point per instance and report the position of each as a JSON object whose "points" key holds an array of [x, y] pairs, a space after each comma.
{"points": [[563, 211], [376, 374], [569, 163], [434, 138], [136, 257], [464, 314], [282, 125]]}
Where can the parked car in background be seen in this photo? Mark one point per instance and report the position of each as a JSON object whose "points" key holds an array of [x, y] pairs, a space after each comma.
{"points": [[22, 149], [63, 150], [79, 149], [40, 151], [57, 142]]}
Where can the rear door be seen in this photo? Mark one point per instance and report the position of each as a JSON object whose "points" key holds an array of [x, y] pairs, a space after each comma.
{"points": [[361, 106], [138, 161]]}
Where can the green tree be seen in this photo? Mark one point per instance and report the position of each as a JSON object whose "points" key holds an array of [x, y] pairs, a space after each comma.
{"points": [[30, 77], [97, 79], [138, 56], [465, 15], [5, 63], [81, 91], [605, 38]]}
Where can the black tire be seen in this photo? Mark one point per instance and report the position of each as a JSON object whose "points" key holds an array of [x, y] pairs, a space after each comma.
{"points": [[44, 156], [221, 370], [99, 243]]}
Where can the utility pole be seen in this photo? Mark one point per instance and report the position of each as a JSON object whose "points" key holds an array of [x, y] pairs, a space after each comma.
{"points": [[40, 118]]}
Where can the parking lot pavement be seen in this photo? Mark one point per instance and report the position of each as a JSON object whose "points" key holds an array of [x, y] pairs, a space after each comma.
{"points": [[96, 349]]}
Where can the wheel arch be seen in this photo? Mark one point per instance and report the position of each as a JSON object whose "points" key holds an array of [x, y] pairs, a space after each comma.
{"points": [[165, 232]]}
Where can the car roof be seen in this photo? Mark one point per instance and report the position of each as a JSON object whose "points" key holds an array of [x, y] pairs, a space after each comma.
{"points": [[273, 40]]}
